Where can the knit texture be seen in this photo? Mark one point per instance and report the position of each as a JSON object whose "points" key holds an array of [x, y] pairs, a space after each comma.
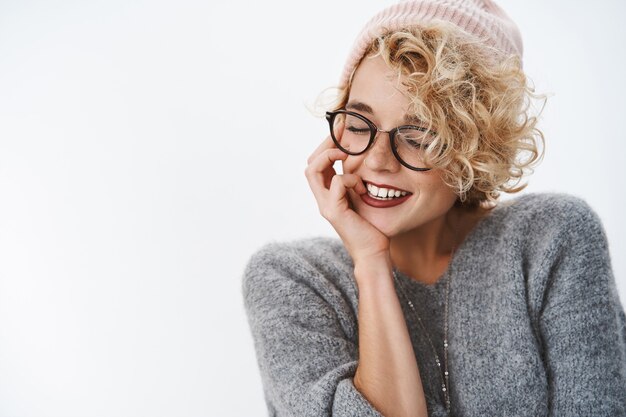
{"points": [[536, 326], [482, 20]]}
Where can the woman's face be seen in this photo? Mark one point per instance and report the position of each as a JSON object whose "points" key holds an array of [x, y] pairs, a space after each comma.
{"points": [[377, 95]]}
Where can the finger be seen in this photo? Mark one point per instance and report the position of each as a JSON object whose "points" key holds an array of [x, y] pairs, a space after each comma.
{"points": [[355, 182], [326, 159], [320, 171], [340, 185], [326, 144]]}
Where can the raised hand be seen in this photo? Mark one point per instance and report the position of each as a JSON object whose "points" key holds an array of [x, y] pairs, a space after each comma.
{"points": [[362, 240]]}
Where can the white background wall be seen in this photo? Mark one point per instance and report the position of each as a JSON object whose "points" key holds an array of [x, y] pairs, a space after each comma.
{"points": [[147, 148]]}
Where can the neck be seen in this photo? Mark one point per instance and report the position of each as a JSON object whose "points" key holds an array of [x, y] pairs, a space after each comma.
{"points": [[424, 253]]}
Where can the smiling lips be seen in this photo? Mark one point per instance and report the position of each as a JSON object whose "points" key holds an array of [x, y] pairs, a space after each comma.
{"points": [[383, 195], [384, 190]]}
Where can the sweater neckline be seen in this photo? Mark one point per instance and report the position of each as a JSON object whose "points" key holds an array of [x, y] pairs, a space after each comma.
{"points": [[458, 254]]}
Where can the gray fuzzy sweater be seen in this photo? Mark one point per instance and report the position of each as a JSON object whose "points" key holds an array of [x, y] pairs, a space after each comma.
{"points": [[536, 326]]}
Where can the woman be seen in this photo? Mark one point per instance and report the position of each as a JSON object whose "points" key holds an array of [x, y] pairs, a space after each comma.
{"points": [[438, 300]]}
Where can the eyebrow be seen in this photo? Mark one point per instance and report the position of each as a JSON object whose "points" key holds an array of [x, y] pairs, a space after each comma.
{"points": [[360, 106]]}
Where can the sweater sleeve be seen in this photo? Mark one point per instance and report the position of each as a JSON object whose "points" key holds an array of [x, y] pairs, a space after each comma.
{"points": [[297, 318], [582, 322]]}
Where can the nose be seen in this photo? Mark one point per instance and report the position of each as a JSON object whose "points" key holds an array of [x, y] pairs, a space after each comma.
{"points": [[379, 156]]}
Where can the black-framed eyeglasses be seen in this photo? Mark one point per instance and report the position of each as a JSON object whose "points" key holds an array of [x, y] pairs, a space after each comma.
{"points": [[354, 134]]}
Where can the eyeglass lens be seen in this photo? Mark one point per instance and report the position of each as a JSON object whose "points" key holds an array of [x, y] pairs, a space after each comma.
{"points": [[353, 135]]}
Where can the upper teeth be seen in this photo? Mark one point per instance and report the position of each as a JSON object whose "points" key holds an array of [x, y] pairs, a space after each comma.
{"points": [[384, 192]]}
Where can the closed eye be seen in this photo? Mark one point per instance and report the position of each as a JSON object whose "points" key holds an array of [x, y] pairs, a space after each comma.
{"points": [[357, 130], [416, 144]]}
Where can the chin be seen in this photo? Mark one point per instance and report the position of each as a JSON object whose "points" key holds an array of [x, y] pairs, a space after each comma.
{"points": [[377, 217], [382, 223]]}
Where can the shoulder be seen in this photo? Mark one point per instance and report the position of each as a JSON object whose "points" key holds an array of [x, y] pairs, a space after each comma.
{"points": [[549, 205], [313, 278], [540, 213], [538, 224], [315, 263], [546, 232], [291, 255]]}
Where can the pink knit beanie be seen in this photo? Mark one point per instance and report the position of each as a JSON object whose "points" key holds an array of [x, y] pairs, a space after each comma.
{"points": [[482, 19]]}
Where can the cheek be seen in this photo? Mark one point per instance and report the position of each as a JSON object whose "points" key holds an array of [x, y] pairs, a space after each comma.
{"points": [[432, 180], [431, 184], [444, 193]]}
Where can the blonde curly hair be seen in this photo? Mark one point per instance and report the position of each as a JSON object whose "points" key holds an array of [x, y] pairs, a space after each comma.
{"points": [[478, 103]]}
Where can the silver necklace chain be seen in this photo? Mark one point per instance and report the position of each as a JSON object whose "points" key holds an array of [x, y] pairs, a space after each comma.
{"points": [[445, 385]]}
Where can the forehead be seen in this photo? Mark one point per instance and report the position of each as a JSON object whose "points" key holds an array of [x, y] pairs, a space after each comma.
{"points": [[378, 91], [373, 77]]}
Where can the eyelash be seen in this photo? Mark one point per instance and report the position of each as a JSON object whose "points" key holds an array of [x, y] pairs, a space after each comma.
{"points": [[355, 130]]}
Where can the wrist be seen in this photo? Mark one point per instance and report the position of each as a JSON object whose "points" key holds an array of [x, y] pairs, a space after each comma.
{"points": [[372, 260], [375, 269]]}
